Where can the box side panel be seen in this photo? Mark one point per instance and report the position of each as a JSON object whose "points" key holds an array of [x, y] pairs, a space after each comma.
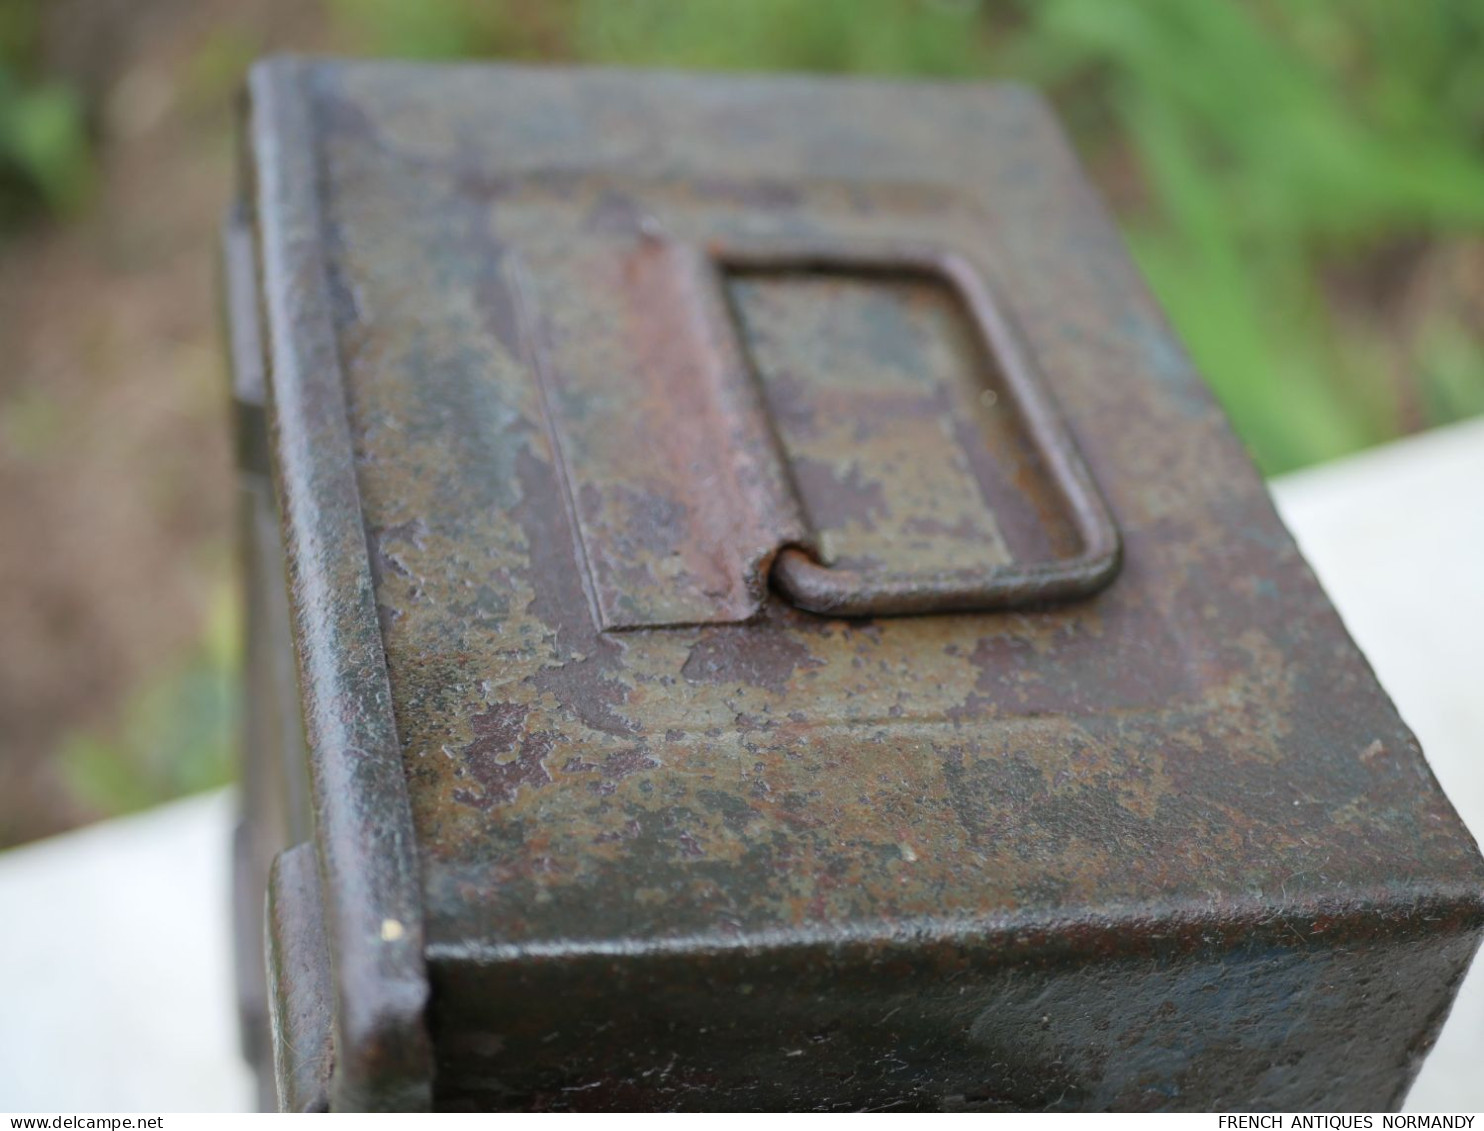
{"points": [[1262, 1026]]}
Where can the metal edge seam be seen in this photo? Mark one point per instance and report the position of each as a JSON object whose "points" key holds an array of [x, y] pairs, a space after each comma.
{"points": [[1387, 914], [364, 834]]}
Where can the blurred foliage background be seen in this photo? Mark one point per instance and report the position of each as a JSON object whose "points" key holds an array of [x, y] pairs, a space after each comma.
{"points": [[1303, 185]]}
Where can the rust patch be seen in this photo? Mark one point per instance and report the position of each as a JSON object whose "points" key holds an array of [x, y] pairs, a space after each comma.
{"points": [[737, 656], [504, 758]]}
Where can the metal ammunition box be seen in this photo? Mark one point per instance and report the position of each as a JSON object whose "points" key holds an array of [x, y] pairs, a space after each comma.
{"points": [[752, 608]]}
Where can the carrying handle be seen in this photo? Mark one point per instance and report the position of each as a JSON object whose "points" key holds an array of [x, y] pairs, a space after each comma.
{"points": [[820, 588]]}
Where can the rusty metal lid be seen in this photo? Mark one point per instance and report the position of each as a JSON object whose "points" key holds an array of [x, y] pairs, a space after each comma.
{"points": [[745, 467]]}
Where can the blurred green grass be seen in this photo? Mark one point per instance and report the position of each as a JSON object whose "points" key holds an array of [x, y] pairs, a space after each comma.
{"points": [[44, 158], [174, 737]]}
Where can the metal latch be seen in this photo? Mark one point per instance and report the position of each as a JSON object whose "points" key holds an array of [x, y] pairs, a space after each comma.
{"points": [[859, 423]]}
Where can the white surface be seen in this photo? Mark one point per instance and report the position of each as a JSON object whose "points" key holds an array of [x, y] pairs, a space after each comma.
{"points": [[115, 968], [115, 978]]}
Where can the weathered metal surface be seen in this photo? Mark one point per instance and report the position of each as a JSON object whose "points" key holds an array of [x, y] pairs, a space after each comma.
{"points": [[301, 986], [363, 831], [670, 468], [861, 350], [271, 786], [1164, 846]]}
